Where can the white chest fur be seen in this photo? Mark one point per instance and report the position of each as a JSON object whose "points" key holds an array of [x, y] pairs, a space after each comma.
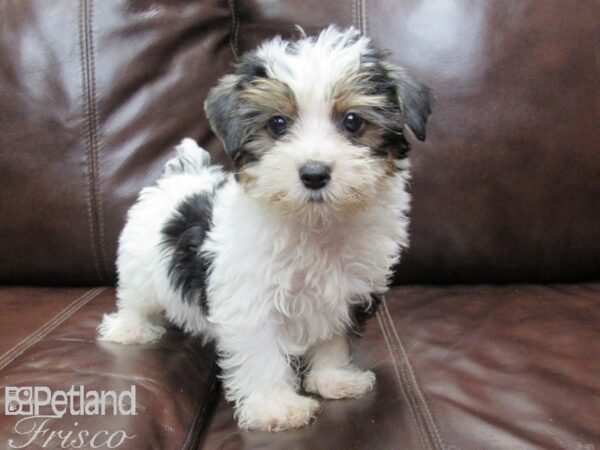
{"points": [[274, 272]]}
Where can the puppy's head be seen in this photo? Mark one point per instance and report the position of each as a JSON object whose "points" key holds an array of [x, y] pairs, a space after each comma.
{"points": [[316, 127]]}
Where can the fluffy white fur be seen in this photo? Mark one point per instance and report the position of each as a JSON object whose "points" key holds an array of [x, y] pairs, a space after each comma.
{"points": [[284, 273]]}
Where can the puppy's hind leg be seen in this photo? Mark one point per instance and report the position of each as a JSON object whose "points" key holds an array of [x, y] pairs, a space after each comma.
{"points": [[137, 321]]}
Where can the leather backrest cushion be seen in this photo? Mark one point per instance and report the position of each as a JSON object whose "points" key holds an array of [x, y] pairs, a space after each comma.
{"points": [[507, 186], [93, 95]]}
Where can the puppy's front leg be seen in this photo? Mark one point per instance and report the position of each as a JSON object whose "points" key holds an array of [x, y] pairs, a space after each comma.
{"points": [[331, 373], [258, 377]]}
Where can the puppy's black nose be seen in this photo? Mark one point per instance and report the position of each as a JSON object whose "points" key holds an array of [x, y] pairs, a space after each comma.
{"points": [[315, 175]]}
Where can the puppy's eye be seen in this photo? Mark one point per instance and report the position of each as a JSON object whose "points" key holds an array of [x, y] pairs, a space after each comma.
{"points": [[277, 125], [353, 123]]}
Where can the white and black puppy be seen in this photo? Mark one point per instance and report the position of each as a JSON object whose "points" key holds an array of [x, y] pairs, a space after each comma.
{"points": [[284, 260]]}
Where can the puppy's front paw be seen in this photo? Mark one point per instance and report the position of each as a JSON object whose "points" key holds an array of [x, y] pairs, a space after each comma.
{"points": [[277, 413], [336, 383]]}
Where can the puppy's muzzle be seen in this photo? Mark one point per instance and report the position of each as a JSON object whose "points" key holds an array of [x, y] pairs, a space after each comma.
{"points": [[315, 175]]}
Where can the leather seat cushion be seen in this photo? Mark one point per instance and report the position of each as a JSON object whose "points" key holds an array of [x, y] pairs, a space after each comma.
{"points": [[462, 368], [52, 336]]}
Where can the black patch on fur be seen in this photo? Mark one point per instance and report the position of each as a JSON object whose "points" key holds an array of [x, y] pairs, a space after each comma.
{"points": [[362, 312], [398, 143], [251, 66], [184, 235], [297, 364], [243, 157], [222, 104], [383, 83], [417, 98]]}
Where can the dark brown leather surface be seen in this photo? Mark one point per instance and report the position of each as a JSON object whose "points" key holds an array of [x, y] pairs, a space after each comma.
{"points": [[506, 187], [174, 379], [93, 95], [27, 310], [255, 21], [481, 367]]}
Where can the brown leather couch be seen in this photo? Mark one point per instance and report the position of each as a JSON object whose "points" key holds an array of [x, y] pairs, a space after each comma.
{"points": [[491, 338]]}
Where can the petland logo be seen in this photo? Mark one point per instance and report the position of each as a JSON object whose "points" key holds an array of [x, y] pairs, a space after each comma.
{"points": [[40, 406]]}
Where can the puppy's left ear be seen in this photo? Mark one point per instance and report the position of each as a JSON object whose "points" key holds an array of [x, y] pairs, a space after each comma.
{"points": [[219, 106], [417, 102]]}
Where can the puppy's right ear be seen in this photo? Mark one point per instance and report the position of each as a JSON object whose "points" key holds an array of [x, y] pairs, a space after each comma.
{"points": [[219, 107]]}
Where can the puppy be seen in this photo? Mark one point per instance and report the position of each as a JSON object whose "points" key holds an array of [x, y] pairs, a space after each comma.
{"points": [[282, 261]]}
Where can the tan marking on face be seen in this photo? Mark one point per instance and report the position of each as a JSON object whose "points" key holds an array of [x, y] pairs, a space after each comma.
{"points": [[261, 143], [391, 164], [371, 136], [350, 93], [272, 95]]}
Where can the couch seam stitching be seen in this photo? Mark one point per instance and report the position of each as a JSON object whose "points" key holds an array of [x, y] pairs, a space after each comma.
{"points": [[48, 327], [414, 385], [399, 378], [96, 154], [365, 27], [193, 428], [417, 408], [359, 16], [87, 138], [359, 23], [88, 86], [233, 33]]}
